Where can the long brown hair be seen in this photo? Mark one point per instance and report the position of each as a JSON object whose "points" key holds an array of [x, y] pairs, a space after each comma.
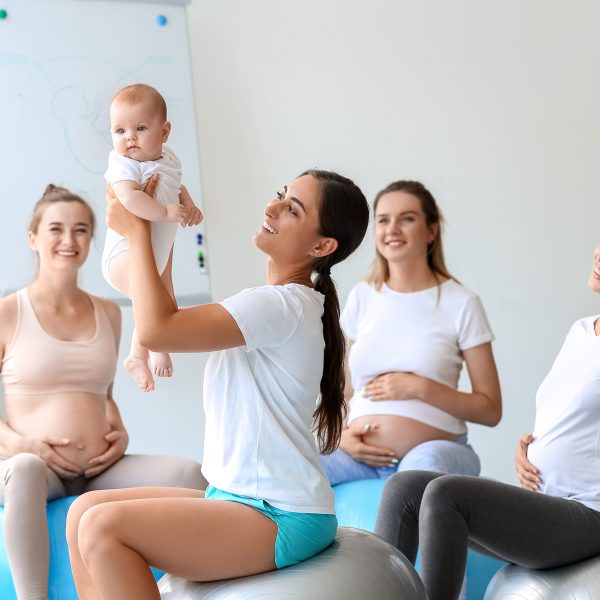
{"points": [[344, 216], [380, 271]]}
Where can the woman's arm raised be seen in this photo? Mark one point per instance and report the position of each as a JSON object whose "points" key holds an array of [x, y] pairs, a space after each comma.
{"points": [[160, 325]]}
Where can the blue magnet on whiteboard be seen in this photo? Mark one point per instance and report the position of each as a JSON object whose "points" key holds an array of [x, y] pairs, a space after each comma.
{"points": [[199, 239], [161, 20]]}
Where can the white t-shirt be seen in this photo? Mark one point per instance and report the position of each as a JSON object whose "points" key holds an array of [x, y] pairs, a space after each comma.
{"points": [[122, 168], [566, 448], [422, 332], [259, 401]]}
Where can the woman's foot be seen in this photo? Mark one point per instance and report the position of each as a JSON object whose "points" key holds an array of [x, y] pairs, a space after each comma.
{"points": [[161, 364], [138, 369]]}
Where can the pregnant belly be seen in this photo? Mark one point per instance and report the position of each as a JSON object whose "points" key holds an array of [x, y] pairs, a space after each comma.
{"points": [[399, 434], [84, 445], [78, 417]]}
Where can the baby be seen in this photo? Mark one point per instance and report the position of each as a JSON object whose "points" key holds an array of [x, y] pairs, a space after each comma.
{"points": [[139, 129]]}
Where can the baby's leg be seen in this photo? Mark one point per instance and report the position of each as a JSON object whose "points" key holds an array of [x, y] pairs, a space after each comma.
{"points": [[160, 361], [137, 361], [137, 365]]}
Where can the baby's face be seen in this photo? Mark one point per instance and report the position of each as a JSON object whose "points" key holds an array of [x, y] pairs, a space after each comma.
{"points": [[137, 130]]}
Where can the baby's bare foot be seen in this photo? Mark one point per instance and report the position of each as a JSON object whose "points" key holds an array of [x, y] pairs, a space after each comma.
{"points": [[161, 364], [138, 369]]}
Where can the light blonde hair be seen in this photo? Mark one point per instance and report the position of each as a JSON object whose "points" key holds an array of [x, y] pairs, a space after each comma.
{"points": [[380, 271], [53, 194], [138, 92]]}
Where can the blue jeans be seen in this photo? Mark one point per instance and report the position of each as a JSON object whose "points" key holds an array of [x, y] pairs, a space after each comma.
{"points": [[443, 456]]}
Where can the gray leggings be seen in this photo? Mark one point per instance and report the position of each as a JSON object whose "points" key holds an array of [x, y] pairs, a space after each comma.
{"points": [[444, 514], [26, 484]]}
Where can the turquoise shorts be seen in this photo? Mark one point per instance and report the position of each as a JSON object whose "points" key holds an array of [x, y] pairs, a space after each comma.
{"points": [[299, 535]]}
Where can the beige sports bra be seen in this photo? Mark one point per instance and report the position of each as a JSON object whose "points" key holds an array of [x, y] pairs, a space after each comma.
{"points": [[35, 363]]}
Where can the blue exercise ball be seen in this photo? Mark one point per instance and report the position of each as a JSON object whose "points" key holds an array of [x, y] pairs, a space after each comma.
{"points": [[357, 566], [60, 579]]}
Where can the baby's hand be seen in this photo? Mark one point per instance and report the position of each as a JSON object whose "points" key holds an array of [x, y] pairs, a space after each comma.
{"points": [[193, 216], [176, 213]]}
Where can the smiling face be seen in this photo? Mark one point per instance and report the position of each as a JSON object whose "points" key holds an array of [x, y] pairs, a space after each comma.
{"points": [[63, 235], [401, 230], [138, 131], [594, 280], [290, 231]]}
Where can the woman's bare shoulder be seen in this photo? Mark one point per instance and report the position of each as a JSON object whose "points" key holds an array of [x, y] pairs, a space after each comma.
{"points": [[8, 318], [113, 312], [111, 308], [8, 307]]}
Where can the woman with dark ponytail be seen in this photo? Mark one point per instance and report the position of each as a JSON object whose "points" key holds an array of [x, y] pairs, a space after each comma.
{"points": [[410, 328], [275, 377]]}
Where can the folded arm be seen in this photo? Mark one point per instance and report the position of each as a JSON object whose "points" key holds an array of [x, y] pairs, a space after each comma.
{"points": [[482, 405], [146, 207], [117, 438]]}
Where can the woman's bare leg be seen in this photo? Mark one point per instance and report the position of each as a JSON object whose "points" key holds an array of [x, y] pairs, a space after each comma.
{"points": [[85, 587], [188, 536]]}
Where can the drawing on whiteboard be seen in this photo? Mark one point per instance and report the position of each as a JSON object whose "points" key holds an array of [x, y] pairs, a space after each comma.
{"points": [[71, 96]]}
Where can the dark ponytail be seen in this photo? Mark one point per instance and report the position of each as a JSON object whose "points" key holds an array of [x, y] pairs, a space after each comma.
{"points": [[344, 216]]}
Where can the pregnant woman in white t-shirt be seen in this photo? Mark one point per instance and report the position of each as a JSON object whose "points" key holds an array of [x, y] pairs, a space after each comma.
{"points": [[410, 327], [553, 522]]}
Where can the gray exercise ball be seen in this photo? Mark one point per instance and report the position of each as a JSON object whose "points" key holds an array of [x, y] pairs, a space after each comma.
{"points": [[357, 566], [579, 581]]}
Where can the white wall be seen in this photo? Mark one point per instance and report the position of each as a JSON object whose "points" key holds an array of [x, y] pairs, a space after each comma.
{"points": [[494, 105]]}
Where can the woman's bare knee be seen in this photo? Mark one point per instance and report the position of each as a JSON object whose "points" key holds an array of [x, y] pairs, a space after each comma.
{"points": [[97, 531], [76, 511]]}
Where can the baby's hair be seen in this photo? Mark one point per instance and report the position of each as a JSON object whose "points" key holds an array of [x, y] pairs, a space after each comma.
{"points": [[138, 92], [52, 194]]}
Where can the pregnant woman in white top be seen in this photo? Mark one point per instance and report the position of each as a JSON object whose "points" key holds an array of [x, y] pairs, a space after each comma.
{"points": [[554, 521], [410, 328]]}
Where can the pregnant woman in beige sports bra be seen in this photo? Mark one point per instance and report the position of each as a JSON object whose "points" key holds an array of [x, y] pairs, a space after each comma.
{"points": [[62, 433]]}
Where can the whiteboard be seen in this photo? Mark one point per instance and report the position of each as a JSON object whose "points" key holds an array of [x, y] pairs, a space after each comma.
{"points": [[61, 61]]}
